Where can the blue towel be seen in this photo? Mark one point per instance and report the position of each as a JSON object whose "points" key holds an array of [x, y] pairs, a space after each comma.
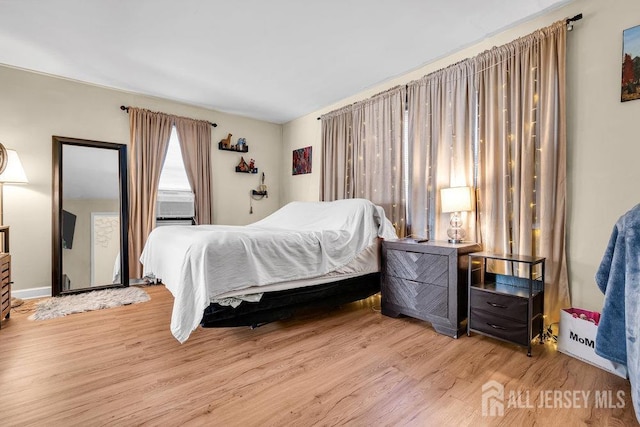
{"points": [[618, 277]]}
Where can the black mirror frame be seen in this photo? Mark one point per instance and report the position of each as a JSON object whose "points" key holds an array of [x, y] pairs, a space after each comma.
{"points": [[56, 276]]}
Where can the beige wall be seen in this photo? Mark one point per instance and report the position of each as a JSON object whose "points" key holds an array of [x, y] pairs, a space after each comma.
{"points": [[34, 107], [603, 142], [230, 189]]}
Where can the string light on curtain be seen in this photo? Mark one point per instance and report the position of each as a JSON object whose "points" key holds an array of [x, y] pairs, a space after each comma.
{"points": [[536, 161]]}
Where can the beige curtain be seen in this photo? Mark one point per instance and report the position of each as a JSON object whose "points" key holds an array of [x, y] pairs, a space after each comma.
{"points": [[337, 161], [195, 145], [441, 132], [150, 133], [522, 154], [378, 151]]}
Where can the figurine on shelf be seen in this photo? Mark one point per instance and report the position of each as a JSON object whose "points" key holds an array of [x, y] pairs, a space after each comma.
{"points": [[241, 144], [252, 165], [243, 166], [226, 142]]}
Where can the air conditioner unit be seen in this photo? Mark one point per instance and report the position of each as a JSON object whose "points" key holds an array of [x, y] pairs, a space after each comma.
{"points": [[161, 222], [175, 204]]}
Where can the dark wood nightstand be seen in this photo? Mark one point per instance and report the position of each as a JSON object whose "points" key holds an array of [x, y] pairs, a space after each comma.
{"points": [[427, 281], [506, 297]]}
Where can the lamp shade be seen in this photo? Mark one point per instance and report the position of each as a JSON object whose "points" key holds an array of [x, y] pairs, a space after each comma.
{"points": [[14, 172], [456, 199]]}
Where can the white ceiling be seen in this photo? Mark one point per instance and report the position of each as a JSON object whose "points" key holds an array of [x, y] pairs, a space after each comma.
{"points": [[271, 60]]}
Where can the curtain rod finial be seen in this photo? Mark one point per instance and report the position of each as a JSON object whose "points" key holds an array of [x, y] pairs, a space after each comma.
{"points": [[570, 21]]}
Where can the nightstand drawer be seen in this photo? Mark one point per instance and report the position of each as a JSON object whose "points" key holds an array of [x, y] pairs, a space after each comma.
{"points": [[419, 297], [418, 266], [499, 304], [499, 327], [504, 328]]}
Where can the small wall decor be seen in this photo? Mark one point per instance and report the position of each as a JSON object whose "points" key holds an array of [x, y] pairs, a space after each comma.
{"points": [[226, 142], [258, 194], [630, 64], [245, 167], [241, 145], [301, 161]]}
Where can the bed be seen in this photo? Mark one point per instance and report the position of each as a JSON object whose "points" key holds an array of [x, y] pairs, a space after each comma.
{"points": [[306, 252]]}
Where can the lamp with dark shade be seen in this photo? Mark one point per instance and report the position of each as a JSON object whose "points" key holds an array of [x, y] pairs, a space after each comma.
{"points": [[456, 200]]}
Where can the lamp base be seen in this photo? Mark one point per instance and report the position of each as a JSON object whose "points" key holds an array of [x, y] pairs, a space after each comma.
{"points": [[456, 233]]}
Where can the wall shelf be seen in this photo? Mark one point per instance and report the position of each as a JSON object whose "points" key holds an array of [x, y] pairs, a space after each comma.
{"points": [[245, 148], [254, 170]]}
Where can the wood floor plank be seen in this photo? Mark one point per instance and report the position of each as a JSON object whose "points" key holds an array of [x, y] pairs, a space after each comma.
{"points": [[348, 366]]}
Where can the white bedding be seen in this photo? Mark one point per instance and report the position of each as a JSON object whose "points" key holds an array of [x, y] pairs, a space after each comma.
{"points": [[300, 241], [366, 262]]}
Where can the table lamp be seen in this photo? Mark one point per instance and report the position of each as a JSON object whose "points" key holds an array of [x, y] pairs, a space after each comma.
{"points": [[456, 200]]}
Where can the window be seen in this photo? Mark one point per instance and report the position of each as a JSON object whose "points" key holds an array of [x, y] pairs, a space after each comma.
{"points": [[175, 204]]}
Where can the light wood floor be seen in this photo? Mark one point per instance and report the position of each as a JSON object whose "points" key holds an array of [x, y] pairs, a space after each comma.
{"points": [[351, 366]]}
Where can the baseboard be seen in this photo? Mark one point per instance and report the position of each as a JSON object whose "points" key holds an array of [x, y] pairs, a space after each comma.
{"points": [[31, 293]]}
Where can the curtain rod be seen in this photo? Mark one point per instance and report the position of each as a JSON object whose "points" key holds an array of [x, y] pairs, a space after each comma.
{"points": [[569, 22], [123, 108]]}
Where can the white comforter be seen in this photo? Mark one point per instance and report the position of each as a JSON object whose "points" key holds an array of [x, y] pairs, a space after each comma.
{"points": [[301, 240]]}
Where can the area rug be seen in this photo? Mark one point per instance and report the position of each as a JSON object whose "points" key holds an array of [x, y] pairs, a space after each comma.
{"points": [[95, 300]]}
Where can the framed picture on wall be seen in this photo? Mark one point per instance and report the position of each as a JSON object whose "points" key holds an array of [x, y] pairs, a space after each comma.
{"points": [[301, 161], [631, 64]]}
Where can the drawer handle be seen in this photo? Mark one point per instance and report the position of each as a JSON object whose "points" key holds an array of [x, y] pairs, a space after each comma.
{"points": [[493, 304], [496, 326]]}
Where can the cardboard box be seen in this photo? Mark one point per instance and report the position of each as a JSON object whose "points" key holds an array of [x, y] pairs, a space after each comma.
{"points": [[577, 338]]}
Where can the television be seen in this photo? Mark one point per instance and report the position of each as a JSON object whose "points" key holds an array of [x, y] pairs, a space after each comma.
{"points": [[68, 228]]}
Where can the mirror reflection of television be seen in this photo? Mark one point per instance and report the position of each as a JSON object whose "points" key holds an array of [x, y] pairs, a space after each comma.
{"points": [[68, 228]]}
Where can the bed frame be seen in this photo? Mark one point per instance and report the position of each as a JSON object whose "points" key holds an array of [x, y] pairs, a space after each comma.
{"points": [[280, 305]]}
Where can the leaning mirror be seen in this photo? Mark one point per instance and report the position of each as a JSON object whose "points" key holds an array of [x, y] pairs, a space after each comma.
{"points": [[89, 215]]}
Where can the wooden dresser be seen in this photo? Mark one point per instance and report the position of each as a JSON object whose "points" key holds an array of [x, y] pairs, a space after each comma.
{"points": [[427, 281], [5, 275], [5, 286]]}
